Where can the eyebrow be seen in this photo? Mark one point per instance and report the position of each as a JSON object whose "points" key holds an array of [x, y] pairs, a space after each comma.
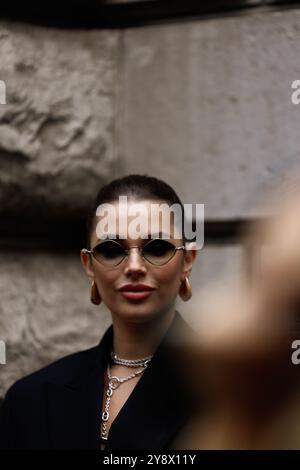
{"points": [[111, 236]]}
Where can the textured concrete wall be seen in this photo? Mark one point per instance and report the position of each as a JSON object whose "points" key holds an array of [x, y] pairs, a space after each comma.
{"points": [[57, 146], [203, 104], [45, 311], [210, 101], [57, 128]]}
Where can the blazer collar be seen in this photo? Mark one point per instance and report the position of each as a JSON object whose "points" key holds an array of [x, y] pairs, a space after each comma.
{"points": [[151, 416], [74, 407]]}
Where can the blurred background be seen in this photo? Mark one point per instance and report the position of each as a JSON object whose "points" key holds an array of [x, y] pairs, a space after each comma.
{"points": [[195, 93]]}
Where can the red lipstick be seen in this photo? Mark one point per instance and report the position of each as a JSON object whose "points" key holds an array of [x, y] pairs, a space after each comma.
{"points": [[136, 291]]}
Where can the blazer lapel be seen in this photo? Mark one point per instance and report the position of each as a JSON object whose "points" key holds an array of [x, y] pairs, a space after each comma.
{"points": [[158, 406], [74, 407], [151, 416]]}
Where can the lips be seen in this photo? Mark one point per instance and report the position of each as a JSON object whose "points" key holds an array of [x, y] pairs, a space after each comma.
{"points": [[136, 288], [136, 292]]}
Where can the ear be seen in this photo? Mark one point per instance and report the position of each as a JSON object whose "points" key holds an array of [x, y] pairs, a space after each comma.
{"points": [[190, 255], [87, 264]]}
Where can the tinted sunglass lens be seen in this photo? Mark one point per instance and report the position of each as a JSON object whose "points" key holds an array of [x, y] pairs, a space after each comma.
{"points": [[109, 253], [159, 251]]}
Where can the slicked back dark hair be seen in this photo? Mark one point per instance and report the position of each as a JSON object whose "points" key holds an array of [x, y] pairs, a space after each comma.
{"points": [[136, 187]]}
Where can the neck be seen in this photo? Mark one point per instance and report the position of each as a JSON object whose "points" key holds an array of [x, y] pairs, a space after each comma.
{"points": [[136, 340]]}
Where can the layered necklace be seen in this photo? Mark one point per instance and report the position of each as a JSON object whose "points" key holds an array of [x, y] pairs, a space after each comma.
{"points": [[114, 382]]}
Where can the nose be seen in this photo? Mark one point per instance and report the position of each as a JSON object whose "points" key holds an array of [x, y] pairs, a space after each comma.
{"points": [[135, 262]]}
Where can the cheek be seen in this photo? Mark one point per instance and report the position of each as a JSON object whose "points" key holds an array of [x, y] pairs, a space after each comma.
{"points": [[168, 278], [106, 277]]}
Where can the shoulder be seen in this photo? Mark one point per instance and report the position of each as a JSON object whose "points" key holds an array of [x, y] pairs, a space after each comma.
{"points": [[68, 370], [60, 371]]}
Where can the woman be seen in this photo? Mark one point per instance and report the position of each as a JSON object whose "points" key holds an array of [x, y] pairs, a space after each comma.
{"points": [[127, 391]]}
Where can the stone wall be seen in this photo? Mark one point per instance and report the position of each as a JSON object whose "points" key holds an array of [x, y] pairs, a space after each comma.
{"points": [[204, 104], [57, 146], [57, 140], [213, 99]]}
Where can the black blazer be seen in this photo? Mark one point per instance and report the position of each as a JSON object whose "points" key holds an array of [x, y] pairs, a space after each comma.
{"points": [[59, 406]]}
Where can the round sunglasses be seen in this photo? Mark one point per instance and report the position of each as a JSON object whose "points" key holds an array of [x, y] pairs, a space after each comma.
{"points": [[111, 253]]}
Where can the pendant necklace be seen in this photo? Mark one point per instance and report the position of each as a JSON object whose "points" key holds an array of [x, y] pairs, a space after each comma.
{"points": [[114, 382]]}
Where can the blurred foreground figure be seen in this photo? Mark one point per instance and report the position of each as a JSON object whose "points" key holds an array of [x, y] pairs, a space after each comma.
{"points": [[240, 369]]}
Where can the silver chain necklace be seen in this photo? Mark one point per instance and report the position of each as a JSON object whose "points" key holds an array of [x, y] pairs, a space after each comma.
{"points": [[130, 362], [114, 382]]}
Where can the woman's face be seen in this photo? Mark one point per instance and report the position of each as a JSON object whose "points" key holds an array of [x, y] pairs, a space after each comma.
{"points": [[165, 280]]}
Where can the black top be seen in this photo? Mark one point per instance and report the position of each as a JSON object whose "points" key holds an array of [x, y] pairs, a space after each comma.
{"points": [[60, 406]]}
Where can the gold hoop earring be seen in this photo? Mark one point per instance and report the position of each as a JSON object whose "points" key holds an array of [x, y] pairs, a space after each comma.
{"points": [[95, 297], [185, 290]]}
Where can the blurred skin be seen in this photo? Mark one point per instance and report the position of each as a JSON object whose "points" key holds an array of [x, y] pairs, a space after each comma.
{"points": [[246, 389]]}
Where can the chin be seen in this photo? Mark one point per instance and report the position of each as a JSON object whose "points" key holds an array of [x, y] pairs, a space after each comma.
{"points": [[138, 314]]}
